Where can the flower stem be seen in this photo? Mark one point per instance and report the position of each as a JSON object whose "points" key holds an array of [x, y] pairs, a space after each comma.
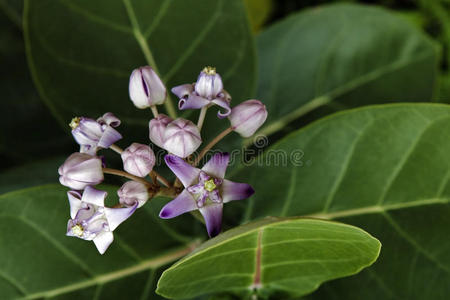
{"points": [[127, 175], [201, 117], [211, 144], [116, 148], [154, 110], [161, 179]]}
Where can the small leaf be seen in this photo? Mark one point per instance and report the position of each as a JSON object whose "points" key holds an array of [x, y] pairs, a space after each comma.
{"points": [[319, 58], [289, 256]]}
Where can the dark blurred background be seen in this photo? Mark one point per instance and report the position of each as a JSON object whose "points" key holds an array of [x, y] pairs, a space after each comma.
{"points": [[30, 134]]}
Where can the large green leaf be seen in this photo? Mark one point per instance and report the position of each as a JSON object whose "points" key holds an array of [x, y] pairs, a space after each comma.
{"points": [[27, 130], [38, 261], [288, 256], [385, 169], [339, 56], [81, 66]]}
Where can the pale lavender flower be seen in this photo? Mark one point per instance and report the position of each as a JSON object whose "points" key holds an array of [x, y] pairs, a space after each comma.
{"points": [[92, 134], [182, 137], [205, 190], [132, 192], [146, 88], [91, 220], [208, 90], [247, 117], [138, 159], [80, 170], [157, 129]]}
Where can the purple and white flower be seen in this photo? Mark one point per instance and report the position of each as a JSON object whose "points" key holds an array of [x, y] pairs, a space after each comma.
{"points": [[132, 192], [91, 220], [80, 170], [208, 90], [205, 190], [138, 159], [91, 134], [247, 117], [146, 88], [182, 137], [157, 129]]}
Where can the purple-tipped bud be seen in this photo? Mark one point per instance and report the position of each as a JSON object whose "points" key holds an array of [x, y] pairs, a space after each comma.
{"points": [[138, 159], [80, 170], [146, 88], [182, 138], [247, 117], [157, 128], [132, 192], [209, 83], [91, 134]]}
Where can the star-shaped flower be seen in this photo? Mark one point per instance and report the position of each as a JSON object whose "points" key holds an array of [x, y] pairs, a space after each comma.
{"points": [[205, 190]]}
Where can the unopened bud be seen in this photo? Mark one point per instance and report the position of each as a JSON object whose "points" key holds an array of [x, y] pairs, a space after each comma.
{"points": [[146, 88], [132, 192], [157, 127], [182, 138], [247, 117], [138, 159], [80, 170]]}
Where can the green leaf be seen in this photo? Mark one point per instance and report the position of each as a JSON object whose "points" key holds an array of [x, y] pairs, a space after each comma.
{"points": [[384, 169], [28, 130], [38, 261], [289, 256], [338, 56], [82, 66]]}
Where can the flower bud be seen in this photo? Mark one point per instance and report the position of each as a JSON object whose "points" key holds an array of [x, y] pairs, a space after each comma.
{"points": [[80, 170], [138, 159], [209, 83], [182, 138], [146, 88], [132, 192], [247, 117], [157, 127]]}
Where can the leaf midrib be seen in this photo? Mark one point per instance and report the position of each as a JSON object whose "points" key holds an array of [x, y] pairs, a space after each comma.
{"points": [[374, 209]]}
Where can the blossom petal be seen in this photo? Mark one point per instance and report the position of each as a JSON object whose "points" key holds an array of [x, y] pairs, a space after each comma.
{"points": [[180, 205], [115, 216], [109, 137], [217, 165], [186, 173], [183, 90], [103, 240], [224, 104], [192, 102], [109, 119], [213, 218], [94, 196], [235, 190], [75, 202]]}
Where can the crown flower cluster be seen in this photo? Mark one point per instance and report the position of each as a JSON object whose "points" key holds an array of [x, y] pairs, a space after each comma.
{"points": [[204, 189]]}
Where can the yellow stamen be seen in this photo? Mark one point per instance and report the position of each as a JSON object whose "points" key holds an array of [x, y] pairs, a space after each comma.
{"points": [[209, 70], [77, 230], [74, 123], [210, 185]]}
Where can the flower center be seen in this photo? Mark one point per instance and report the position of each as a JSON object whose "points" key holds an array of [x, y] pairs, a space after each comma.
{"points": [[77, 230], [210, 185], [209, 70], [74, 123]]}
